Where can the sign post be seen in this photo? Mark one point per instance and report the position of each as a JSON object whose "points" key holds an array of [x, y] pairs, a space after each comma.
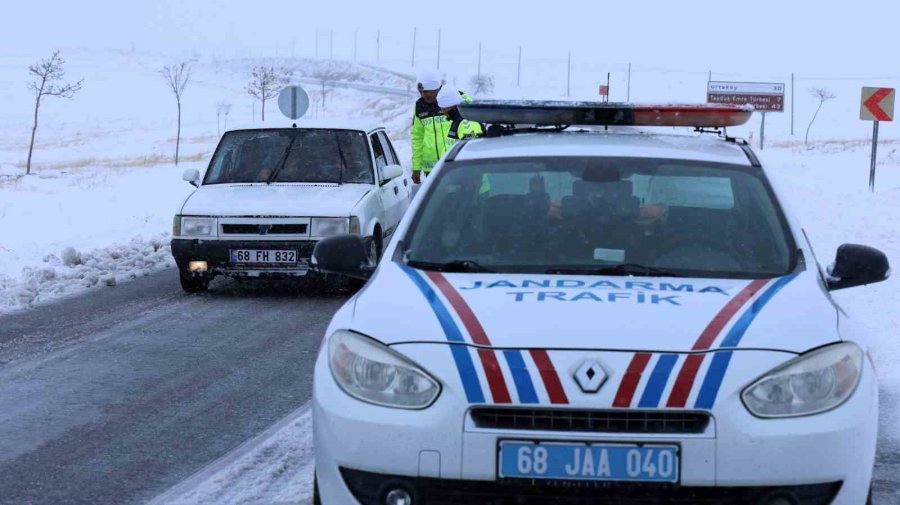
{"points": [[876, 105], [763, 96], [293, 102]]}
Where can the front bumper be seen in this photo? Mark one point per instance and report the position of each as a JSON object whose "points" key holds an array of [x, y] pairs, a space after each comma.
{"points": [[371, 488], [444, 459], [217, 253]]}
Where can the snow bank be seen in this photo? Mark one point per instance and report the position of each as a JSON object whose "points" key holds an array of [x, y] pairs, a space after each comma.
{"points": [[278, 469], [72, 271], [9, 173], [63, 231]]}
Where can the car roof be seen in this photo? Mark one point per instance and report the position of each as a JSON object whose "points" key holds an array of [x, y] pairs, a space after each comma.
{"points": [[324, 124], [637, 144]]}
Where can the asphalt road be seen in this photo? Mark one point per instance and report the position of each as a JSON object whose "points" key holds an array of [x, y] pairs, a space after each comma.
{"points": [[117, 395]]}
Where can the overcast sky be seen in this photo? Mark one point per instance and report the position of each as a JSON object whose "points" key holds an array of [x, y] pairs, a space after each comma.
{"points": [[828, 38]]}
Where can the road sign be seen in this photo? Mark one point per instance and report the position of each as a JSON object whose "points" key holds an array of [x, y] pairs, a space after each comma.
{"points": [[877, 104], [293, 102], [763, 96], [604, 90]]}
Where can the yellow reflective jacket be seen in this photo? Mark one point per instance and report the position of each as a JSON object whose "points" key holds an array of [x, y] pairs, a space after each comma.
{"points": [[430, 132]]}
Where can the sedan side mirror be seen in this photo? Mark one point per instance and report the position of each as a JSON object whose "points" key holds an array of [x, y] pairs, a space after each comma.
{"points": [[391, 172], [345, 255], [192, 175], [856, 265]]}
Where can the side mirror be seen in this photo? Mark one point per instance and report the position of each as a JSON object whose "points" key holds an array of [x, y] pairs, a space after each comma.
{"points": [[391, 172], [856, 265], [192, 175], [345, 255]]}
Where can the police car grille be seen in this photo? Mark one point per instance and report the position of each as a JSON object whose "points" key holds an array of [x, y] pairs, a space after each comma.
{"points": [[272, 229], [601, 421]]}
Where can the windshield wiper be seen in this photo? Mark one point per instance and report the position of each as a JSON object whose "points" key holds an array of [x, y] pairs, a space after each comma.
{"points": [[283, 161], [343, 159], [450, 266], [621, 269]]}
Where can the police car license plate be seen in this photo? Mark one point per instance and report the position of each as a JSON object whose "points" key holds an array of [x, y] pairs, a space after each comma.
{"points": [[264, 257], [597, 462]]}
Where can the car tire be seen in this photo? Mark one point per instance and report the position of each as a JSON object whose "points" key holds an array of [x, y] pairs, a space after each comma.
{"points": [[193, 284], [316, 499], [376, 246]]}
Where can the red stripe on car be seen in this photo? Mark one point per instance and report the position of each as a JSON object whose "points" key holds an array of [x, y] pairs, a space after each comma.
{"points": [[631, 379], [551, 379], [492, 370], [685, 380]]}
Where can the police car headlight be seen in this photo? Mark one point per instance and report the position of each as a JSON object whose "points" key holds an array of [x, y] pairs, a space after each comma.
{"points": [[371, 372], [810, 384], [198, 226], [329, 226]]}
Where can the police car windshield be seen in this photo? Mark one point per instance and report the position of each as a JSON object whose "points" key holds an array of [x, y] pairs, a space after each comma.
{"points": [[291, 155], [586, 214]]}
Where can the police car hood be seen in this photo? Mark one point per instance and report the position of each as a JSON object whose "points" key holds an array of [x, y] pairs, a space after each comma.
{"points": [[277, 199], [401, 304]]}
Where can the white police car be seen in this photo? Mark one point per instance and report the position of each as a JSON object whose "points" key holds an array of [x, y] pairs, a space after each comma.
{"points": [[596, 317], [270, 194]]}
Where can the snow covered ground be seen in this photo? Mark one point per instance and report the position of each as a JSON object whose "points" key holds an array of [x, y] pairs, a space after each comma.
{"points": [[274, 468]]}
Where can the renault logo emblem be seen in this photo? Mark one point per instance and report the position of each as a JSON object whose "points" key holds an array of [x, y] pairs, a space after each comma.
{"points": [[590, 376]]}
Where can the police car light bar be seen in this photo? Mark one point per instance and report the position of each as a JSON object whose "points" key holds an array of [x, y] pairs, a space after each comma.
{"points": [[557, 113]]}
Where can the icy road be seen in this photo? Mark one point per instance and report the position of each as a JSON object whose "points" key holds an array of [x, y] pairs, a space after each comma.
{"points": [[117, 395]]}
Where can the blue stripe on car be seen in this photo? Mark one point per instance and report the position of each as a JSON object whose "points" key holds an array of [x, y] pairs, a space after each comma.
{"points": [[658, 380], [716, 373], [461, 356], [521, 377]]}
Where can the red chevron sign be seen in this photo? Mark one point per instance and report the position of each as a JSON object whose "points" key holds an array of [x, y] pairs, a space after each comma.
{"points": [[877, 104]]}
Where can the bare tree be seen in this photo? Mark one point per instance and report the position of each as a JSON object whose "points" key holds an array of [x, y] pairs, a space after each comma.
{"points": [[325, 76], [46, 76], [482, 84], [266, 83], [823, 95], [222, 109], [177, 77]]}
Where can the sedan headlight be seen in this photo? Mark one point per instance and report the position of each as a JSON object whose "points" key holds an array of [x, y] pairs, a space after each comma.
{"points": [[198, 226], [371, 372], [812, 383], [329, 226]]}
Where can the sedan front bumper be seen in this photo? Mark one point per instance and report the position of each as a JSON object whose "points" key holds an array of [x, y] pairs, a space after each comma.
{"points": [[217, 254], [440, 456]]}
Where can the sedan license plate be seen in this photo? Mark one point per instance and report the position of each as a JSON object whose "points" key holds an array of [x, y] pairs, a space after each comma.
{"points": [[263, 257], [598, 462]]}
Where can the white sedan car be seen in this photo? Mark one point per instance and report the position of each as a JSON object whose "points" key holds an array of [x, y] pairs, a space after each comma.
{"points": [[270, 194], [622, 318]]}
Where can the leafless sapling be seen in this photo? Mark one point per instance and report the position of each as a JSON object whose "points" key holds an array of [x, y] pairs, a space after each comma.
{"points": [[177, 77], [266, 83], [822, 95], [47, 76]]}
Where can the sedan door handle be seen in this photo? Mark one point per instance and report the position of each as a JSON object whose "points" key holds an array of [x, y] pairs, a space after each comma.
{"points": [[396, 190]]}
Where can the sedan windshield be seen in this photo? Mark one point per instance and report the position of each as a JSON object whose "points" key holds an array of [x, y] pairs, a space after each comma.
{"points": [[291, 155], [610, 216]]}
